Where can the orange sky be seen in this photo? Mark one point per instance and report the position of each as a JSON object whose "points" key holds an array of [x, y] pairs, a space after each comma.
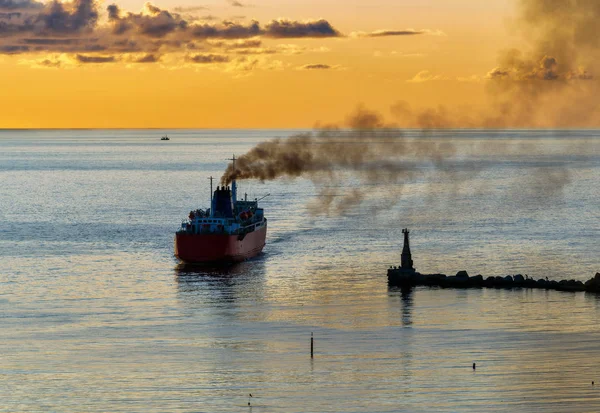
{"points": [[280, 81]]}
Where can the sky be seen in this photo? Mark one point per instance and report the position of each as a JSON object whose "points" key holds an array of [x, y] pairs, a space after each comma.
{"points": [[287, 64]]}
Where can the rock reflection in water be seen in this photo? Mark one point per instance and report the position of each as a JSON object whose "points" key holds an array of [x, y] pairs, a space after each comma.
{"points": [[407, 305], [406, 302]]}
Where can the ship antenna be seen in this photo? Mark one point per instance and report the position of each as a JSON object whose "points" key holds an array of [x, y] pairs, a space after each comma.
{"points": [[211, 195], [233, 183]]}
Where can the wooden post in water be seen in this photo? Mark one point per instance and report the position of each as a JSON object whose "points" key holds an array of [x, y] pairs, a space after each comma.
{"points": [[311, 345]]}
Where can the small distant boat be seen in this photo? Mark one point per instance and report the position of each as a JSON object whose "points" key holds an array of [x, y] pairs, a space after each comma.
{"points": [[165, 138]]}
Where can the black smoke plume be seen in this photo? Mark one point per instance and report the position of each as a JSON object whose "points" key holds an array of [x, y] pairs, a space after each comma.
{"points": [[371, 162], [552, 82], [369, 151]]}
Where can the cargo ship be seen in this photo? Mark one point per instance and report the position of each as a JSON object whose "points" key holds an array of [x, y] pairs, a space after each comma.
{"points": [[231, 230]]}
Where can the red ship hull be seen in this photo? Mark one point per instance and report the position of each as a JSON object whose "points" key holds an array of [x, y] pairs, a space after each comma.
{"points": [[199, 248]]}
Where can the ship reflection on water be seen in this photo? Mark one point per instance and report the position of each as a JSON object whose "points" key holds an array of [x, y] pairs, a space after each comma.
{"points": [[220, 285], [225, 270]]}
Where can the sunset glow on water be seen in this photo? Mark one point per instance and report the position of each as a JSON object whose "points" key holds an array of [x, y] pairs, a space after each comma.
{"points": [[97, 315]]}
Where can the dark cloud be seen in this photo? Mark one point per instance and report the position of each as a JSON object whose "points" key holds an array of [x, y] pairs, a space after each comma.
{"points": [[236, 3], [30, 26], [95, 59], [284, 28], [401, 32], [48, 42], [256, 51], [35, 19], [228, 30], [149, 58], [516, 66], [156, 23], [113, 11], [276, 29], [20, 4], [207, 58], [129, 46], [49, 63], [383, 33], [318, 66], [10, 15], [67, 18], [13, 49], [208, 17], [404, 32], [553, 82]]}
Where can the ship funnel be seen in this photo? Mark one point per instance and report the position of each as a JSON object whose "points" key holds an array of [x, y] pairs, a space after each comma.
{"points": [[222, 207], [233, 191]]}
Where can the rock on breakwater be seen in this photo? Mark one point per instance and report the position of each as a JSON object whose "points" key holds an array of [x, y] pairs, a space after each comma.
{"points": [[398, 277]]}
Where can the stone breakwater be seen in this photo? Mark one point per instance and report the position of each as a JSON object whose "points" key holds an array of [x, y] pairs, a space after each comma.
{"points": [[400, 277]]}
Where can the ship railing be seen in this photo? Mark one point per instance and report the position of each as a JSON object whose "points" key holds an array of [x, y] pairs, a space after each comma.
{"points": [[250, 227]]}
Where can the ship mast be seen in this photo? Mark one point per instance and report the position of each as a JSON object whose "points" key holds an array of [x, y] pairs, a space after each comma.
{"points": [[233, 184], [211, 197]]}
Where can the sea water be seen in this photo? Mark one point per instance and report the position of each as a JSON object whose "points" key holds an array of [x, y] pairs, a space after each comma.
{"points": [[96, 314]]}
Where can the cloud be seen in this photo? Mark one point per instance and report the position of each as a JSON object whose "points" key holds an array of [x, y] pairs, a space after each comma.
{"points": [[497, 73], [20, 4], [236, 44], [406, 55], [249, 47], [66, 18], [228, 30], [49, 63], [75, 28], [247, 64], [238, 66], [189, 9], [552, 83], [13, 49], [207, 58], [547, 68], [284, 28], [470, 79], [236, 3], [50, 41], [148, 58], [10, 15], [257, 51], [316, 66], [152, 21], [405, 32], [426, 76], [95, 59]]}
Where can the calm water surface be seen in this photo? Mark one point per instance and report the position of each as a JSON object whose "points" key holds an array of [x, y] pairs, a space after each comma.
{"points": [[96, 315]]}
